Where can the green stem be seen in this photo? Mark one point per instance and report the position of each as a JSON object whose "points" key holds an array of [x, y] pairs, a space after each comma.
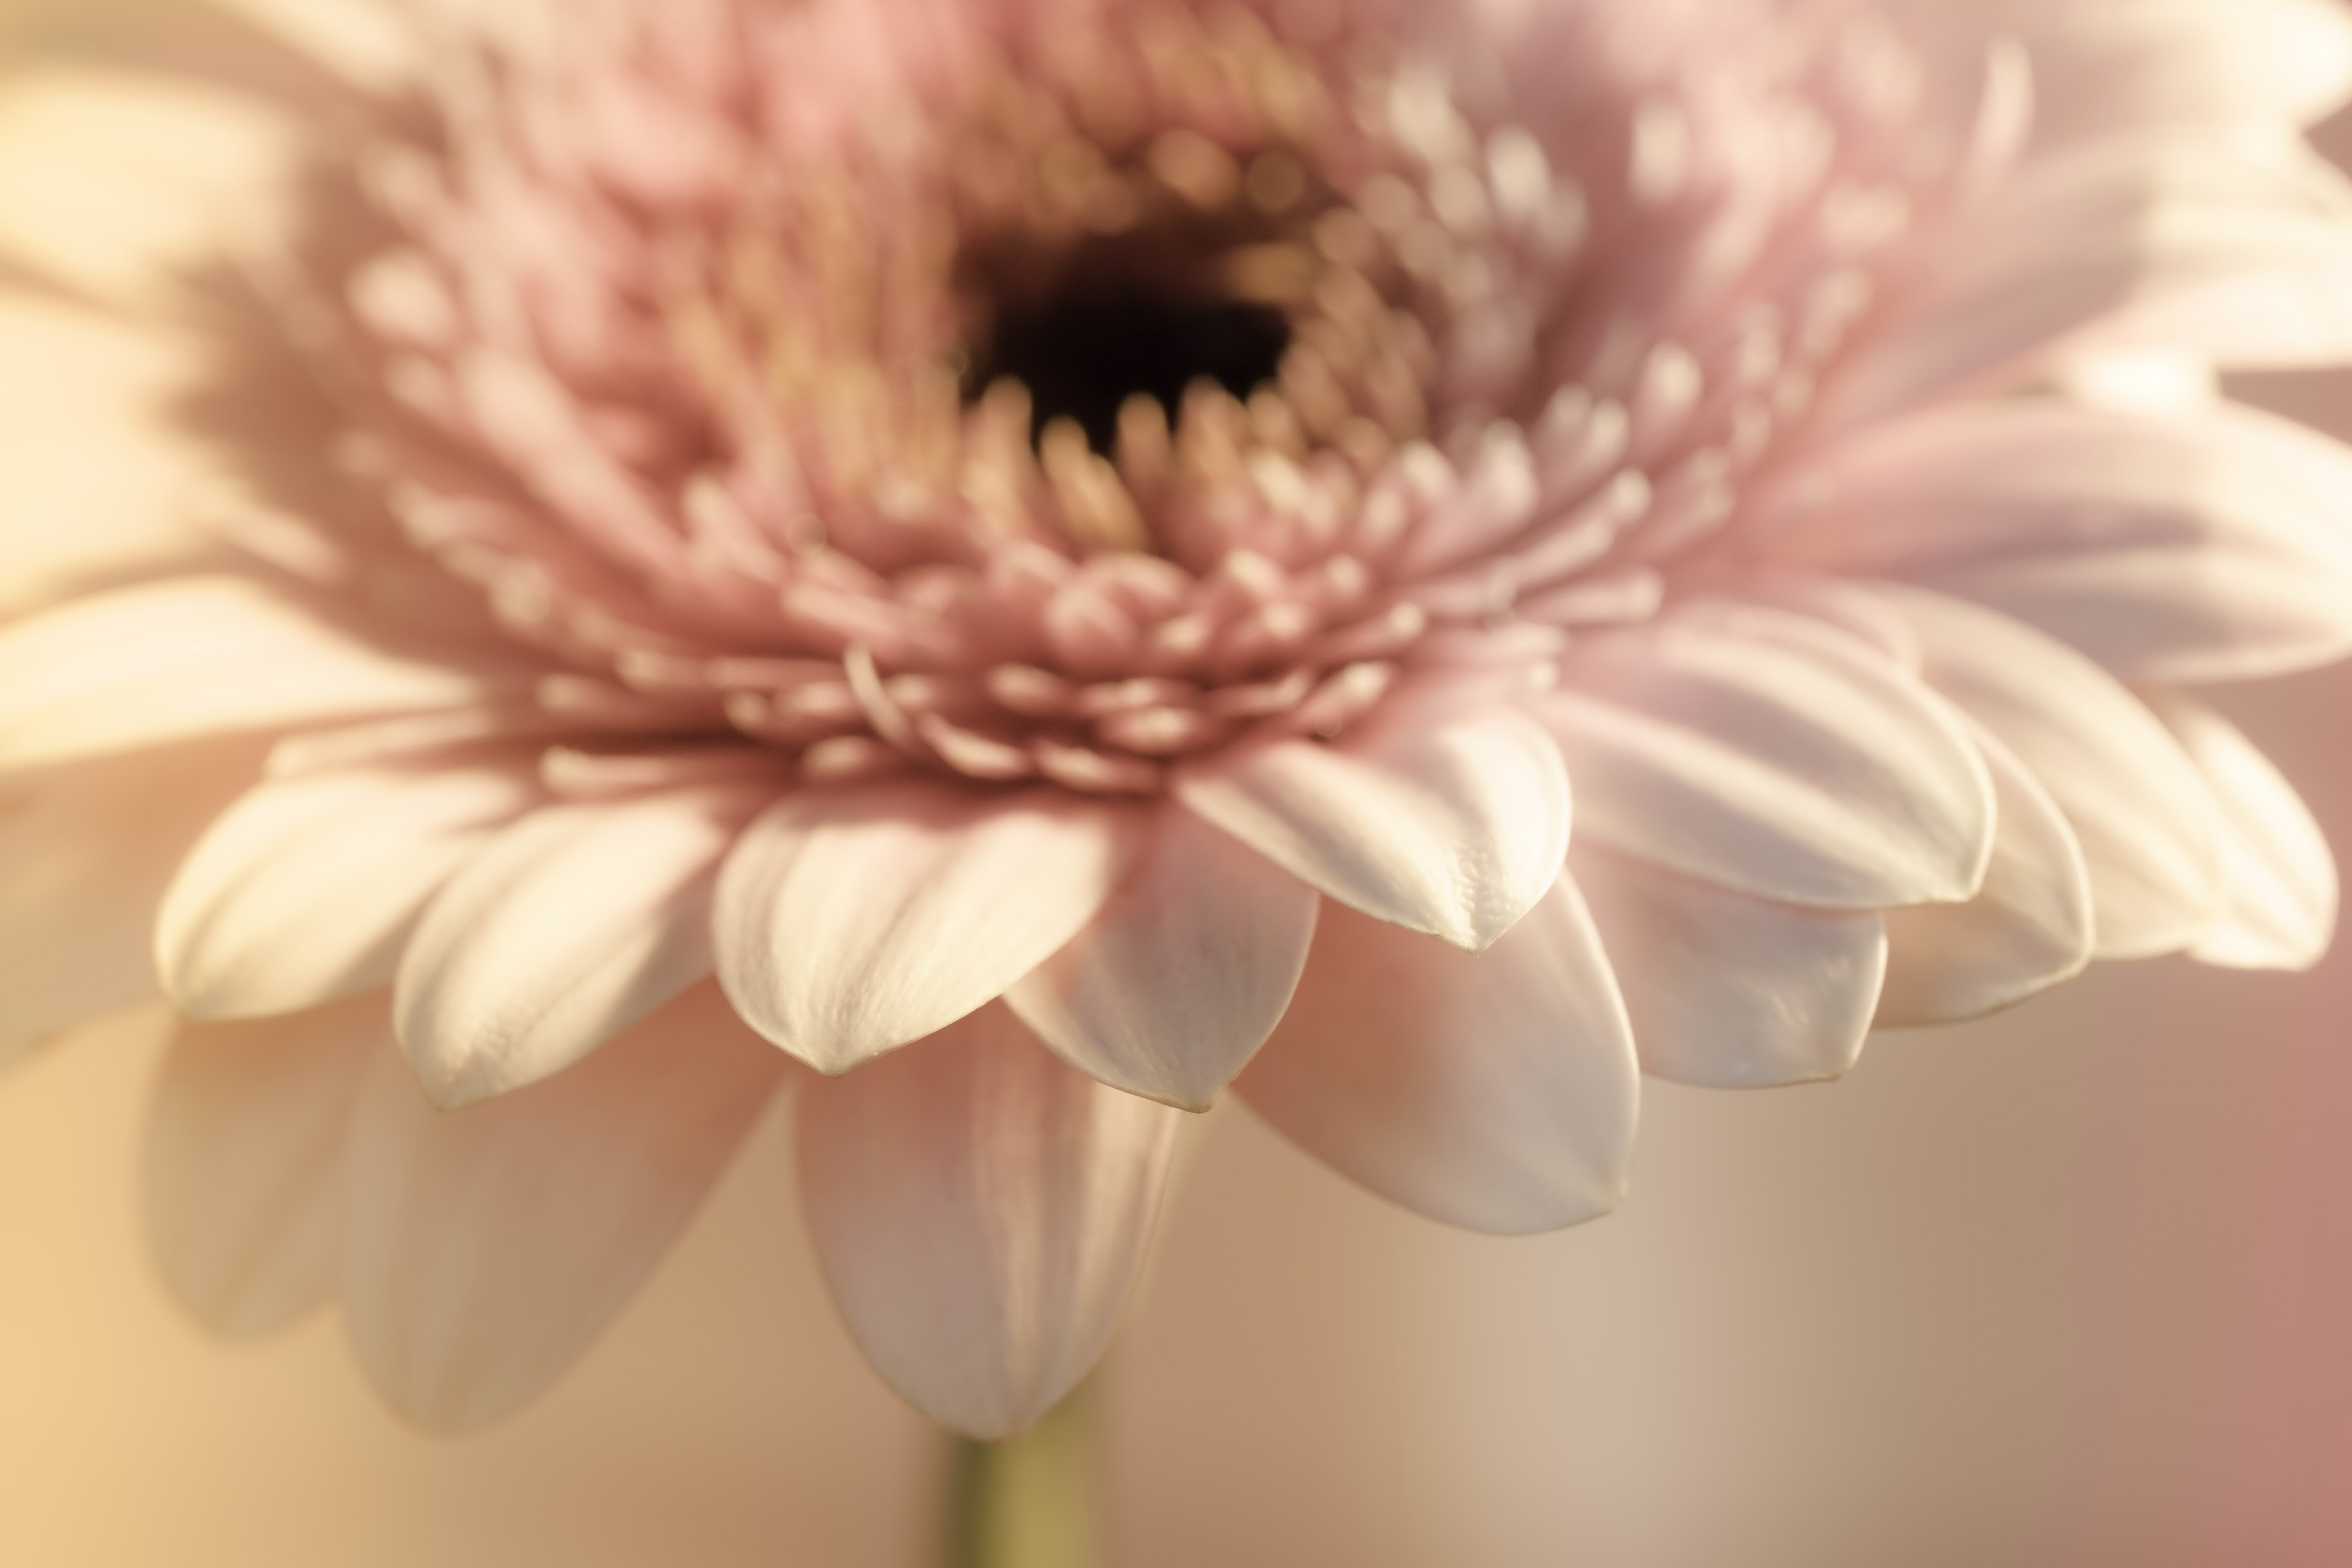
{"points": [[1029, 1501]]}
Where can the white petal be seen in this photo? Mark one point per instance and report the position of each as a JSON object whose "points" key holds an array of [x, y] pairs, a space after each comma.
{"points": [[852, 922], [1496, 1091], [244, 1160], [1426, 815], [84, 860], [306, 889], [485, 1248], [2278, 876], [1184, 972], [1729, 992], [566, 929], [1775, 765], [2030, 927], [981, 1210], [188, 658], [2148, 829], [2202, 546], [117, 184]]}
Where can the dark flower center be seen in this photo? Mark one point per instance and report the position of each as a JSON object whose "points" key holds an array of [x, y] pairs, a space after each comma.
{"points": [[1088, 349]]}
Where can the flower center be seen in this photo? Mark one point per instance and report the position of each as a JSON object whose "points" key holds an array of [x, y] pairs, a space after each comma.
{"points": [[1062, 403], [1096, 342]]}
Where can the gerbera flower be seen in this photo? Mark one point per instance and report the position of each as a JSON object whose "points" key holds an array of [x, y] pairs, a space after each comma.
{"points": [[1043, 560]]}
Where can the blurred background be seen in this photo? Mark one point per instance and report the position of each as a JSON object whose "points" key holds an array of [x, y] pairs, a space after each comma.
{"points": [[2066, 1289], [2069, 1286]]}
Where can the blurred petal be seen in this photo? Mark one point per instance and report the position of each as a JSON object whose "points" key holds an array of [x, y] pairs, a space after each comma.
{"points": [[2104, 68], [2235, 246], [89, 852], [2278, 876], [178, 660], [1184, 972], [566, 929], [2149, 831], [2029, 927], [1449, 823], [2202, 547], [116, 184], [851, 923], [245, 1161], [1772, 763], [981, 1210], [1729, 992], [1496, 1091], [306, 889], [485, 1248], [97, 478]]}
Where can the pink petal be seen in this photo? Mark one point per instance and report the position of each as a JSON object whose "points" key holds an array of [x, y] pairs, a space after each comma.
{"points": [[2278, 877], [2198, 547], [187, 658], [981, 1210], [1729, 992], [851, 923], [485, 1248], [245, 1161], [569, 927], [1184, 972], [1496, 1091], [2146, 823], [89, 853], [2029, 927], [306, 889], [1772, 763], [1435, 818]]}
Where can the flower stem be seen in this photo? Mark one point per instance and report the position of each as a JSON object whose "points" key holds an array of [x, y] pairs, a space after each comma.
{"points": [[1026, 1502]]}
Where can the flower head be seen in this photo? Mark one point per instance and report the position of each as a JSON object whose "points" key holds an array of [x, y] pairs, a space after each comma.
{"points": [[1049, 558]]}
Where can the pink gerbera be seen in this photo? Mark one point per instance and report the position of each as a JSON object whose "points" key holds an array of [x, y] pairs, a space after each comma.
{"points": [[1043, 559]]}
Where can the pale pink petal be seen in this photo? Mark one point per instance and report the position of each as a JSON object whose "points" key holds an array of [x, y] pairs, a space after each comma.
{"points": [[244, 1160], [1496, 1091], [89, 852], [1436, 814], [117, 183], [1729, 992], [2278, 876], [1184, 972], [2029, 927], [2146, 823], [485, 1248], [2235, 246], [188, 658], [565, 930], [981, 1210], [2200, 546], [1774, 764], [849, 923], [306, 889]]}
